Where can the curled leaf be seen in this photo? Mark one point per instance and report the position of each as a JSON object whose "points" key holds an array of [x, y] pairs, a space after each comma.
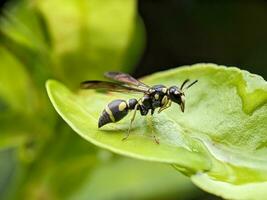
{"points": [[221, 136]]}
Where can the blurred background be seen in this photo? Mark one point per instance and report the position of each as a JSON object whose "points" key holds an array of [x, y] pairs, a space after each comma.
{"points": [[183, 32], [73, 40]]}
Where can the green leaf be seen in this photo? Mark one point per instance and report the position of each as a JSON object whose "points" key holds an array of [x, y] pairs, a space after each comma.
{"points": [[255, 190], [23, 34], [132, 179], [86, 39], [222, 133], [20, 101], [8, 170], [16, 91], [90, 173], [21, 23], [32, 50], [52, 181], [93, 41]]}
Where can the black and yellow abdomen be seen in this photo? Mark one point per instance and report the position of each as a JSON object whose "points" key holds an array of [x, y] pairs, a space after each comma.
{"points": [[115, 111]]}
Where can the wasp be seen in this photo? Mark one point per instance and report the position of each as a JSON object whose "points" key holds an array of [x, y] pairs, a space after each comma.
{"points": [[157, 96]]}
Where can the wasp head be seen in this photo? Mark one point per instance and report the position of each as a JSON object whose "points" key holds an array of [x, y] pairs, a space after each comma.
{"points": [[177, 94]]}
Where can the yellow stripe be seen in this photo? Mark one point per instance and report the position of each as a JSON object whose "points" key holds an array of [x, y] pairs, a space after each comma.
{"points": [[164, 100], [122, 106], [110, 114], [164, 90]]}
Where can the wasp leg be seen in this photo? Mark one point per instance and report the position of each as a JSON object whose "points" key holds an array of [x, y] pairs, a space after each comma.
{"points": [[164, 102], [129, 129], [156, 139], [151, 126], [165, 106]]}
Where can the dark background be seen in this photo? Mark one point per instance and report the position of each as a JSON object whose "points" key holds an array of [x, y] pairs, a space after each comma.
{"points": [[182, 32]]}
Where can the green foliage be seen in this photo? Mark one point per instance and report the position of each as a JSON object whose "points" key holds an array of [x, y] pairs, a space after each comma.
{"points": [[34, 45], [73, 40], [40, 157], [220, 140], [136, 180], [86, 38]]}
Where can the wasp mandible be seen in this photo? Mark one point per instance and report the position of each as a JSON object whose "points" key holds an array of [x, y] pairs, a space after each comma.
{"points": [[157, 96]]}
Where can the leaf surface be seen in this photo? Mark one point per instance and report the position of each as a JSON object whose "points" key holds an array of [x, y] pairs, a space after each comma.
{"points": [[221, 135], [89, 35]]}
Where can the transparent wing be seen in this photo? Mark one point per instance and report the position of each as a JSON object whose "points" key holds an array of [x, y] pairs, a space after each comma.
{"points": [[109, 86], [125, 78]]}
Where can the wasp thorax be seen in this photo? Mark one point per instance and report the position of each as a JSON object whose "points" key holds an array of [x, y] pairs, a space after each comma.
{"points": [[131, 103]]}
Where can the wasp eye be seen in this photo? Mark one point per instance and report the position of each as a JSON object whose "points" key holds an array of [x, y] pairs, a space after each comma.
{"points": [[175, 94]]}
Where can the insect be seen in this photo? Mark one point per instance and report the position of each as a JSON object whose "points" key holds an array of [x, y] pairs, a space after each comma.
{"points": [[157, 96]]}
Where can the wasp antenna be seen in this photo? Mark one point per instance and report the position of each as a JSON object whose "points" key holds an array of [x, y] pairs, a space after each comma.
{"points": [[191, 84], [183, 84]]}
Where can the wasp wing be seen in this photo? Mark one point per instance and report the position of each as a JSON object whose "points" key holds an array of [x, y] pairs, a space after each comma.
{"points": [[110, 86], [125, 78]]}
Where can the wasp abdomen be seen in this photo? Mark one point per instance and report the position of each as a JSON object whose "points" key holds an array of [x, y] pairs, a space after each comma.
{"points": [[115, 111]]}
